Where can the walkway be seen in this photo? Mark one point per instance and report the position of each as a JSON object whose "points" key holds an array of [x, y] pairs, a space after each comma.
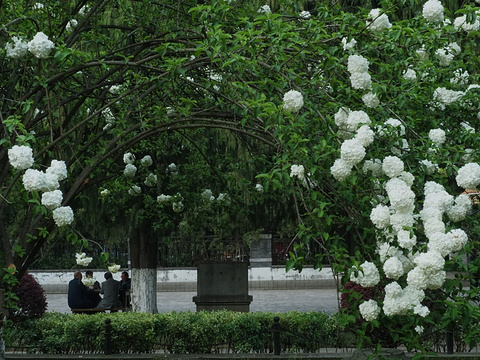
{"points": [[263, 300]]}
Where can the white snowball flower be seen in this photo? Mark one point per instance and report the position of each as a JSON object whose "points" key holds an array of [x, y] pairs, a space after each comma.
{"points": [[417, 279], [40, 46], [393, 268], [421, 310], [146, 160], [380, 216], [461, 22], [82, 259], [368, 275], [150, 180], [403, 217], [357, 64], [177, 206], [104, 192], [361, 80], [437, 136], [378, 22], [447, 97], [259, 187], [430, 167], [375, 166], [460, 77], [20, 157], [401, 197], [33, 180], [71, 24], [370, 100], [341, 169], [163, 198], [348, 45], [130, 170], [445, 56], [365, 135], [63, 216], [128, 158], [265, 9], [405, 241], [135, 190], [298, 171], [305, 15], [369, 310], [392, 166], [352, 151], [293, 101], [419, 329], [458, 239], [57, 168], [18, 49], [409, 74], [113, 268], [468, 176], [356, 118], [433, 11], [52, 199], [341, 117], [430, 262]]}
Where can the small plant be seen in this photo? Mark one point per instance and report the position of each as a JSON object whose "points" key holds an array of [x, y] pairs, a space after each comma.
{"points": [[31, 303]]}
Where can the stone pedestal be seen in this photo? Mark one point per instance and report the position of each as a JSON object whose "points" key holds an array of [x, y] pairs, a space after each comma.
{"points": [[261, 251], [223, 286]]}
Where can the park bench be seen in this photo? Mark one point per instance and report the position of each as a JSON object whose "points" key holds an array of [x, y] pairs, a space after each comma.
{"points": [[97, 310]]}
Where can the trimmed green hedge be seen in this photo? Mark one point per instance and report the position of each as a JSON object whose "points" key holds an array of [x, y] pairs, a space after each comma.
{"points": [[179, 333]]}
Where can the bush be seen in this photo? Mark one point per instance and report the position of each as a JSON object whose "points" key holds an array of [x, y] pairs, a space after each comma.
{"points": [[178, 333], [32, 302]]}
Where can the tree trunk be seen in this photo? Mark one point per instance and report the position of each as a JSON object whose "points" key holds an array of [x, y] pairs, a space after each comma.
{"points": [[143, 257]]}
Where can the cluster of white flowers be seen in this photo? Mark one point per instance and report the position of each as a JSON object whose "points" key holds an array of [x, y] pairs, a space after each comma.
{"points": [[380, 216], [63, 215], [377, 22], [368, 275], [134, 190], [437, 136], [113, 268], [392, 166], [445, 56], [298, 171], [433, 11], [359, 76], [150, 180], [71, 24], [208, 195], [83, 259], [292, 101], [409, 74], [259, 187], [348, 45], [460, 77], [177, 206], [375, 166], [430, 167], [20, 157], [163, 198], [40, 46], [305, 15], [265, 9], [172, 169], [369, 310], [400, 301], [146, 161], [468, 176], [18, 49], [461, 22], [443, 96], [128, 158], [52, 199], [130, 170], [370, 100], [109, 119]]}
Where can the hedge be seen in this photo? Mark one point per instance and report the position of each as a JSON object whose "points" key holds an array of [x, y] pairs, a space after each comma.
{"points": [[178, 333]]}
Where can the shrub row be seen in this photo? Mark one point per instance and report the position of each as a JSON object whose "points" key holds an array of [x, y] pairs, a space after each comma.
{"points": [[180, 333]]}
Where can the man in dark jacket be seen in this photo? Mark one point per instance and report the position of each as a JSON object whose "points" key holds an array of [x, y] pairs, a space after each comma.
{"points": [[110, 289], [79, 294]]}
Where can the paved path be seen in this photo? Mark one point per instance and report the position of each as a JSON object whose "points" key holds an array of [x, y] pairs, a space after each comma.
{"points": [[263, 300]]}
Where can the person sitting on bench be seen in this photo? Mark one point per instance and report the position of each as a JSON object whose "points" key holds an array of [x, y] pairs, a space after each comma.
{"points": [[110, 289], [79, 296]]}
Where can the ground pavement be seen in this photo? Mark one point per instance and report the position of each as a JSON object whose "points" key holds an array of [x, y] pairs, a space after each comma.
{"points": [[263, 300]]}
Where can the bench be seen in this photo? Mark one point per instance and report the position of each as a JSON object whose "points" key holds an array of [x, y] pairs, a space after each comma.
{"points": [[97, 310]]}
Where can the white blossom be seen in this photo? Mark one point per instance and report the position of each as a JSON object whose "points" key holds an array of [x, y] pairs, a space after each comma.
{"points": [[437, 136], [128, 158], [265, 9], [52, 199], [293, 101], [468, 176], [163, 198], [151, 180], [357, 64], [380, 216], [18, 49], [409, 74], [352, 151], [298, 171], [82, 259], [259, 187], [113, 268], [146, 160], [429, 166], [40, 46], [370, 100], [433, 11], [105, 192], [177, 206], [368, 275], [393, 268], [361, 80], [20, 157], [348, 45], [341, 169], [57, 168], [305, 15], [365, 135], [392, 166], [130, 170], [378, 22], [63, 215], [369, 310], [445, 56], [135, 190], [419, 329]]}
